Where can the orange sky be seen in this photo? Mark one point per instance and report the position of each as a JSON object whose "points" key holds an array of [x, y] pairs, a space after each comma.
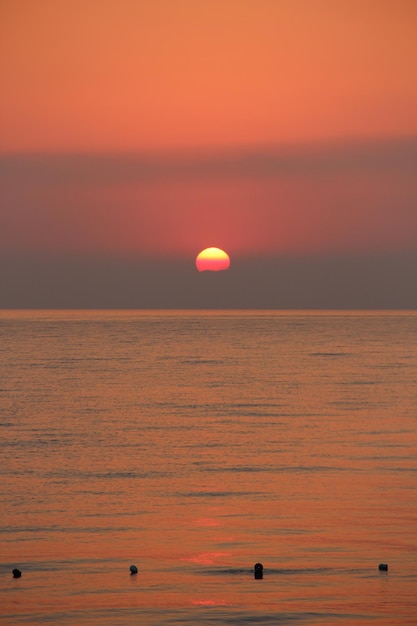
{"points": [[136, 74], [142, 130]]}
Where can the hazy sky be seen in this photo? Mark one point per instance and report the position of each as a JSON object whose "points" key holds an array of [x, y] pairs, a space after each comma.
{"points": [[134, 133]]}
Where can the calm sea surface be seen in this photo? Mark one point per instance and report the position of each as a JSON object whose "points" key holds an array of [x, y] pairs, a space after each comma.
{"points": [[195, 444]]}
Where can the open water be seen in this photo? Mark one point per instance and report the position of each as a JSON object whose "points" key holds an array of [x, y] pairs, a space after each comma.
{"points": [[195, 444]]}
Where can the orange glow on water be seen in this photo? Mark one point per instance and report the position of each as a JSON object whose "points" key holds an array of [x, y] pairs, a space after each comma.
{"points": [[213, 260], [264, 466], [207, 558]]}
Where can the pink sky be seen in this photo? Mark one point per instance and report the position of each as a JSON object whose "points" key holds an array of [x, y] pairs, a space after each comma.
{"points": [[358, 198]]}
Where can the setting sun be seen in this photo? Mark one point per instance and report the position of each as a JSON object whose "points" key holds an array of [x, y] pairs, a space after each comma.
{"points": [[213, 260]]}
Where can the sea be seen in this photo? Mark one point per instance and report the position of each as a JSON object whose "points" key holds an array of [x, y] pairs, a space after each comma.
{"points": [[194, 444]]}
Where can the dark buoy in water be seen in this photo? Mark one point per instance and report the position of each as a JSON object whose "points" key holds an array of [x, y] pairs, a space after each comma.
{"points": [[133, 570], [383, 567], [258, 571], [16, 573]]}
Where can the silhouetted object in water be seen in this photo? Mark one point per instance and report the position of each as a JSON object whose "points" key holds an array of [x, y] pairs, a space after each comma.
{"points": [[258, 571], [383, 567], [133, 570], [16, 573]]}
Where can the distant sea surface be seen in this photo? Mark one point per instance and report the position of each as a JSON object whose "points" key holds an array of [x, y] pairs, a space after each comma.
{"points": [[195, 444]]}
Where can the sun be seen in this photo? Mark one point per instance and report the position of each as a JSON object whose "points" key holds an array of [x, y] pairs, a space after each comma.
{"points": [[212, 260]]}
